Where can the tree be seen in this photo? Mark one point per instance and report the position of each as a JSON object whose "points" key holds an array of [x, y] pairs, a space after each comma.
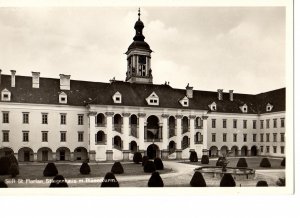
{"points": [[158, 164], [110, 180], [227, 181], [117, 168], [50, 170], [137, 157], [198, 180], [3, 184], [58, 182], [155, 180], [85, 168], [6, 163], [14, 170]]}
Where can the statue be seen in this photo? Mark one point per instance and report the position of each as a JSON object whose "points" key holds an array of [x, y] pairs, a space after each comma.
{"points": [[224, 162]]}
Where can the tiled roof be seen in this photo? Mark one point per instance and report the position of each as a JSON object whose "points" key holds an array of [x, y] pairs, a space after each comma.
{"points": [[83, 93]]}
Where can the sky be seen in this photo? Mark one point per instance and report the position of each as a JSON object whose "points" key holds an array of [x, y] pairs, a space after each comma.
{"points": [[239, 48]]}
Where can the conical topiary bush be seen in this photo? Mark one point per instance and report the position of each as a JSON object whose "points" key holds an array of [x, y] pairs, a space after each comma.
{"points": [[149, 167], [193, 156], [219, 163], [109, 181], [265, 163], [50, 170], [261, 183], [242, 162], [205, 159], [137, 157], [283, 162], [198, 180], [58, 182], [144, 160], [227, 181], [155, 180], [158, 164], [85, 168], [14, 170], [3, 184], [117, 168]]}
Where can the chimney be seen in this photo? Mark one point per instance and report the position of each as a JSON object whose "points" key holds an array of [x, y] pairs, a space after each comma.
{"points": [[220, 94], [35, 80], [0, 76], [13, 78], [231, 95], [64, 82], [189, 91]]}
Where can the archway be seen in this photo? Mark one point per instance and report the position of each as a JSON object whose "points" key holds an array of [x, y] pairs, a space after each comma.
{"points": [[185, 125], [253, 150], [152, 128], [63, 154], [172, 125], [152, 151], [100, 119], [224, 150], [117, 142], [44, 154], [213, 151], [234, 151], [5, 151], [133, 146], [80, 153], [244, 151], [100, 137], [198, 138], [172, 147], [133, 125], [25, 154]]}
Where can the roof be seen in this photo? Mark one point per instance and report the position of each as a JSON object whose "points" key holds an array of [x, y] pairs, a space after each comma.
{"points": [[83, 93]]}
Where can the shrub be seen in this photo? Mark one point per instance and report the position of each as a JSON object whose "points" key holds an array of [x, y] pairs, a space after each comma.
{"points": [[85, 168], [13, 160], [50, 170], [158, 164], [242, 162], [265, 163], [149, 167], [155, 180], [110, 180], [4, 165], [58, 182], [117, 168], [262, 183], [197, 180], [144, 160], [283, 162], [219, 163], [137, 157], [227, 181], [3, 184], [14, 170], [280, 182], [193, 156], [205, 159]]}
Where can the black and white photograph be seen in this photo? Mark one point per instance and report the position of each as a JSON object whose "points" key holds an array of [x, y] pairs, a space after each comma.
{"points": [[193, 97]]}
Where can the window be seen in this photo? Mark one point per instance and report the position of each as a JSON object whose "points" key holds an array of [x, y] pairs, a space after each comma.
{"points": [[261, 149], [5, 95], [261, 137], [234, 137], [5, 136], [267, 137], [213, 106], [245, 137], [245, 124], [224, 137], [274, 123], [117, 98], [282, 122], [80, 119], [184, 102], [274, 137], [213, 123], [25, 118], [25, 136], [282, 137], [282, 149], [268, 149], [5, 117], [63, 98], [254, 137], [224, 123], [153, 99], [63, 119], [44, 136], [269, 107], [234, 124], [261, 124], [274, 149], [254, 124], [80, 136], [44, 118], [213, 137], [63, 136], [268, 124]]}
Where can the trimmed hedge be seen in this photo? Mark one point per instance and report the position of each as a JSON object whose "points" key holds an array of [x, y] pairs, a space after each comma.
{"points": [[6, 163], [283, 162], [219, 163], [155, 180], [3, 184], [158, 164], [149, 167], [205, 159], [13, 170], [117, 168], [137, 157], [144, 160], [265, 163], [242, 162], [110, 181], [262, 183], [198, 180], [280, 182], [58, 182], [85, 168], [193, 156], [227, 181], [50, 170]]}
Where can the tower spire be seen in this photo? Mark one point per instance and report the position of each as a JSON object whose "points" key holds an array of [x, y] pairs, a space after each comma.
{"points": [[139, 14]]}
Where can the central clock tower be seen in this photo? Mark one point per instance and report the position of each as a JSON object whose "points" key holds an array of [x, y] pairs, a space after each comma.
{"points": [[139, 57]]}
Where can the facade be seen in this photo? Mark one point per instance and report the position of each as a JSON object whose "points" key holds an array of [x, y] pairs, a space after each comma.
{"points": [[45, 119]]}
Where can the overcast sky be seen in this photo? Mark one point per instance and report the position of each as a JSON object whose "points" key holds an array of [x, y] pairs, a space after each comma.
{"points": [[230, 48]]}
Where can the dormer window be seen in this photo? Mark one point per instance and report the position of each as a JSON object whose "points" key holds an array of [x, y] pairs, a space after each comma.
{"points": [[153, 99], [213, 106], [269, 107], [5, 95], [244, 108], [117, 97], [184, 102], [63, 98]]}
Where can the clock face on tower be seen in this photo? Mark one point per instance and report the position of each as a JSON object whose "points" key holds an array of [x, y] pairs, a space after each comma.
{"points": [[142, 59]]}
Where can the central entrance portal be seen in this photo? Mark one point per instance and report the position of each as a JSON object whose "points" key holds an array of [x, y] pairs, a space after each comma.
{"points": [[152, 151]]}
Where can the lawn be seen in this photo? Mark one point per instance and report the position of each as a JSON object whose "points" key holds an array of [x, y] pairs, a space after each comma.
{"points": [[253, 162]]}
